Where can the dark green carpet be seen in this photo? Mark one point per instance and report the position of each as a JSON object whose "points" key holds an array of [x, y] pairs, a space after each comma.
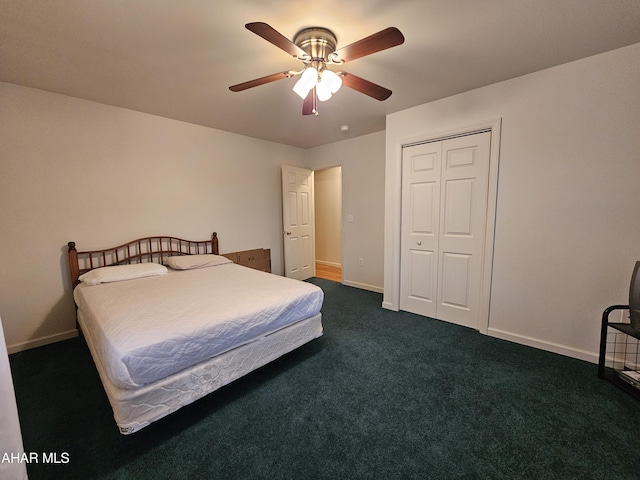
{"points": [[380, 395]]}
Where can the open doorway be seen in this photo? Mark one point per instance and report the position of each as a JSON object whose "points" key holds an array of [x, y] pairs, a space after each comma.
{"points": [[328, 223]]}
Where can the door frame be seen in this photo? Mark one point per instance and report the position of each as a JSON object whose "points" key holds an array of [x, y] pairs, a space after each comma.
{"points": [[393, 215], [313, 223], [342, 215]]}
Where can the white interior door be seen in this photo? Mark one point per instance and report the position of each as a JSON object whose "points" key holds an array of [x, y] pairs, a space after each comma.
{"points": [[297, 219], [444, 210]]}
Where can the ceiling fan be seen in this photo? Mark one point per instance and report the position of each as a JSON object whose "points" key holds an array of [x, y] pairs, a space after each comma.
{"points": [[315, 47]]}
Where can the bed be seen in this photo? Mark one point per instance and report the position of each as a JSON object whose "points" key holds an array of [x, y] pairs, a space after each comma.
{"points": [[168, 321]]}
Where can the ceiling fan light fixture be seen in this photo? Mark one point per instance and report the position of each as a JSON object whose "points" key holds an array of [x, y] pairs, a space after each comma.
{"points": [[323, 91], [307, 81], [330, 82], [332, 79]]}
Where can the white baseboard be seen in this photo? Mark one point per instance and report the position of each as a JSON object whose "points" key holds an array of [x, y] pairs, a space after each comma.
{"points": [[329, 264], [39, 342], [363, 286], [544, 345]]}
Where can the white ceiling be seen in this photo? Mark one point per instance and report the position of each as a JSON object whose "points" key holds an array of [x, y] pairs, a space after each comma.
{"points": [[178, 58]]}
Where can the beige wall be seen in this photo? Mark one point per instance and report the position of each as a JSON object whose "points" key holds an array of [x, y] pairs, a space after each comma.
{"points": [[362, 162], [328, 215], [567, 226], [99, 175]]}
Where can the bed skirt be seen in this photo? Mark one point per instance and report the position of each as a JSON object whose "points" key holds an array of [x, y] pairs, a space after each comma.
{"points": [[136, 408]]}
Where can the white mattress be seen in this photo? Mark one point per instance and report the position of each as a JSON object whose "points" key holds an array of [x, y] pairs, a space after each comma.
{"points": [[147, 329]]}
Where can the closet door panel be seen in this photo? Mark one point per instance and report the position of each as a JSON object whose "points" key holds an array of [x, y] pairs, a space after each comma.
{"points": [[422, 266], [465, 181], [455, 280], [420, 228]]}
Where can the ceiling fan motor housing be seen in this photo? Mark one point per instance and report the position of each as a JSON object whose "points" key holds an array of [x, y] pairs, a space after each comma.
{"points": [[317, 42]]}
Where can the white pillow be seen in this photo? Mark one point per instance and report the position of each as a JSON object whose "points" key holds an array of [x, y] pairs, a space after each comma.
{"points": [[187, 262], [118, 273]]}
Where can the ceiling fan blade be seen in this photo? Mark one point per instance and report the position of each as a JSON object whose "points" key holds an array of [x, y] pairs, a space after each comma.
{"points": [[271, 35], [364, 86], [310, 103], [259, 81], [387, 38]]}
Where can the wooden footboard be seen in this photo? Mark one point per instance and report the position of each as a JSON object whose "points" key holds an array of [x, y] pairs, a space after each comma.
{"points": [[142, 250]]}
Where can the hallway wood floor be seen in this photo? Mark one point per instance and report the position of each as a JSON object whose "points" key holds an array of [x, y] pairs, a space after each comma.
{"points": [[329, 272]]}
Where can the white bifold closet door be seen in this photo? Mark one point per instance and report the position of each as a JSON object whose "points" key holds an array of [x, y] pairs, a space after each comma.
{"points": [[444, 211]]}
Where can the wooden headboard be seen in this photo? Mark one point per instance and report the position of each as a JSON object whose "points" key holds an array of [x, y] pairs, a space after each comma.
{"points": [[142, 250]]}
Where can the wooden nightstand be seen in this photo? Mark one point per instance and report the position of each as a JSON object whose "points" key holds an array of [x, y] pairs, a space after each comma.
{"points": [[259, 258]]}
